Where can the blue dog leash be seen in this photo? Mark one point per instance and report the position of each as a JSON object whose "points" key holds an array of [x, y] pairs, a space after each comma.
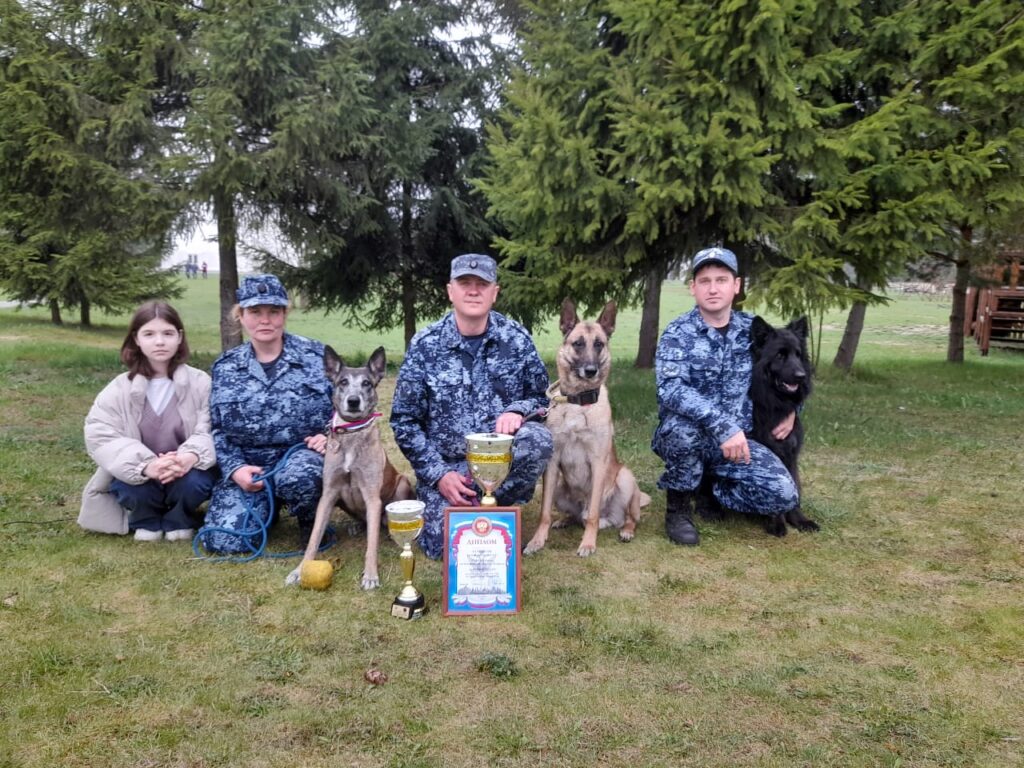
{"points": [[252, 525]]}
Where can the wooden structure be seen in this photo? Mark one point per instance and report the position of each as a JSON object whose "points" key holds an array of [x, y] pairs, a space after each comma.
{"points": [[995, 315]]}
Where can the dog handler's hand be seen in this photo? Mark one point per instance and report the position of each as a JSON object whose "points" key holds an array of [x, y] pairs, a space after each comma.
{"points": [[508, 423], [243, 478], [453, 487], [317, 443], [736, 448], [781, 432]]}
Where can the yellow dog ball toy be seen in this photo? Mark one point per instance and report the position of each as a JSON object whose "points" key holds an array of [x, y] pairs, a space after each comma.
{"points": [[315, 574]]}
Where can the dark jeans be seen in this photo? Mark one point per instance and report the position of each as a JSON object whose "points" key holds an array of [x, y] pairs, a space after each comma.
{"points": [[153, 506]]}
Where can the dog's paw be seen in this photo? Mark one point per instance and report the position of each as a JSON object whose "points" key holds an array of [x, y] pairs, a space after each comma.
{"points": [[369, 582], [776, 525], [586, 550], [625, 536], [292, 579], [562, 522], [797, 519], [533, 547]]}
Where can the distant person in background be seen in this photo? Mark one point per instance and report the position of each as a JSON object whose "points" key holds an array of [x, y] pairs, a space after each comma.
{"points": [[149, 433], [268, 395], [204, 270]]}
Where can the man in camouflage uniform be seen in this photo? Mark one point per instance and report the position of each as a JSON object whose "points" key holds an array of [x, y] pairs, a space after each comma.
{"points": [[475, 370], [703, 368], [267, 395]]}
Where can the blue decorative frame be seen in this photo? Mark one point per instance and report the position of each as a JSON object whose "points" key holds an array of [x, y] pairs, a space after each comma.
{"points": [[501, 525]]}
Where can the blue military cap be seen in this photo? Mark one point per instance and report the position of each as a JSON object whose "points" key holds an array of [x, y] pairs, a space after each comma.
{"points": [[258, 290], [477, 264], [722, 256]]}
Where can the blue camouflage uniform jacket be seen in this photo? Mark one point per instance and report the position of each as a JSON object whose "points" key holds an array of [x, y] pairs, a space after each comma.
{"points": [[438, 400], [255, 419], [703, 377]]}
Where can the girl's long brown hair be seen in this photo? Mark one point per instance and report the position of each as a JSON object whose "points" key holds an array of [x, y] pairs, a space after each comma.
{"points": [[132, 356]]}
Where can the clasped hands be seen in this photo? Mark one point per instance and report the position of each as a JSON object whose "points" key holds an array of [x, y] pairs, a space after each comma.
{"points": [[170, 466]]}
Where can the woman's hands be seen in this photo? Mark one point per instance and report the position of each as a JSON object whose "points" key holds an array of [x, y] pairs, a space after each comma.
{"points": [[170, 466]]}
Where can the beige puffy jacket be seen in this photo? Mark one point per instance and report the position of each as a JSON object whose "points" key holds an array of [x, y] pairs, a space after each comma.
{"points": [[113, 441]]}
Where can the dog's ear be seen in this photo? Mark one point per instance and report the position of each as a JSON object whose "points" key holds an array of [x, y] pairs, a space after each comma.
{"points": [[799, 327], [377, 364], [607, 319], [759, 332], [332, 363], [569, 317]]}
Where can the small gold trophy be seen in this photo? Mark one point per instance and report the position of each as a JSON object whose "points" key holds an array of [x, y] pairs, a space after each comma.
{"points": [[489, 456], [405, 521]]}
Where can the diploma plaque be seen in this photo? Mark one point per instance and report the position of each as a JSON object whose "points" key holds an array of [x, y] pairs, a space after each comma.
{"points": [[482, 560]]}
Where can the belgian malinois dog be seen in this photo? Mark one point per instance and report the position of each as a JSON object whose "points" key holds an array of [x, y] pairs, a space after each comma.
{"points": [[585, 479], [358, 476]]}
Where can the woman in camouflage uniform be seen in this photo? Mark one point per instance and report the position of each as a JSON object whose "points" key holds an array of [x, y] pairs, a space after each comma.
{"points": [[268, 395]]}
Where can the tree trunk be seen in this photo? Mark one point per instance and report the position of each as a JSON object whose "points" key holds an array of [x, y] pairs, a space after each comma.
{"points": [[955, 349], [86, 315], [649, 319], [408, 308], [55, 317], [408, 289], [851, 336], [227, 233]]}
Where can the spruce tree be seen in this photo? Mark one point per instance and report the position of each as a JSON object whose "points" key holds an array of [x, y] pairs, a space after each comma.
{"points": [[82, 222], [385, 263], [273, 116], [635, 134]]}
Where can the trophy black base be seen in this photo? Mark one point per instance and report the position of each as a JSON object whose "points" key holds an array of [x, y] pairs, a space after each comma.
{"points": [[414, 609]]}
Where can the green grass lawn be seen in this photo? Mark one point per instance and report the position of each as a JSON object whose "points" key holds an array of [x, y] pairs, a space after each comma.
{"points": [[894, 637]]}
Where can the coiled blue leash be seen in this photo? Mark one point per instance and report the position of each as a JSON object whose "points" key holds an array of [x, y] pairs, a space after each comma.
{"points": [[253, 525]]}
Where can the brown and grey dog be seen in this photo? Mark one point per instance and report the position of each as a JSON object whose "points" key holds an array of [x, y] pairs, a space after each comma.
{"points": [[358, 476], [585, 479]]}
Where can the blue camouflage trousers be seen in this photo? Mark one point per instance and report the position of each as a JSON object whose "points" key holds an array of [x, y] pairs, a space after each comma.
{"points": [[762, 487], [296, 485], [531, 450]]}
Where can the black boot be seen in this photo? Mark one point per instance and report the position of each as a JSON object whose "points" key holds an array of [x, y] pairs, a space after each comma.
{"points": [[679, 518]]}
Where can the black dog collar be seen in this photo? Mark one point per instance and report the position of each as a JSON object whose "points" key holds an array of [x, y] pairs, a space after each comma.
{"points": [[589, 397]]}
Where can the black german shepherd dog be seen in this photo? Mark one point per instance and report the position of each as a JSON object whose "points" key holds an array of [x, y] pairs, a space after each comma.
{"points": [[779, 385]]}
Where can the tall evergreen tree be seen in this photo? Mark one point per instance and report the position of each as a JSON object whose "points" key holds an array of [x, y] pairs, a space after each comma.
{"points": [[82, 223], [386, 262], [968, 146], [638, 132], [274, 115], [927, 158]]}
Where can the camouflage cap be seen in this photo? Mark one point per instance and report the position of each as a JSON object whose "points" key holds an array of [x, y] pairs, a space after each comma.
{"points": [[722, 256], [257, 290], [477, 264]]}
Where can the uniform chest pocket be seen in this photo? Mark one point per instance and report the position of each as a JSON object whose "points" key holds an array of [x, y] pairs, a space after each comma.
{"points": [[705, 374], [445, 390]]}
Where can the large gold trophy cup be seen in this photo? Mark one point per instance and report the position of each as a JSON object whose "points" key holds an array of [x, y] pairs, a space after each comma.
{"points": [[489, 456], [405, 521]]}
